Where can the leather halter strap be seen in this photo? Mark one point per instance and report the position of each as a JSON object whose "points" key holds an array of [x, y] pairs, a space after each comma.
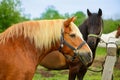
{"points": [[67, 44], [76, 53], [64, 42]]}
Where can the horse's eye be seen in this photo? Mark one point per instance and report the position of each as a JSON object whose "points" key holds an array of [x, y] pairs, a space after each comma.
{"points": [[72, 35]]}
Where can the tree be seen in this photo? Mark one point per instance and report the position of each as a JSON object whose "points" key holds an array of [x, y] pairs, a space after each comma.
{"points": [[110, 25], [10, 13], [80, 17], [51, 13]]}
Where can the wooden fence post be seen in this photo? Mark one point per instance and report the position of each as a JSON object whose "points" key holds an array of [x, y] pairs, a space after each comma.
{"points": [[110, 60]]}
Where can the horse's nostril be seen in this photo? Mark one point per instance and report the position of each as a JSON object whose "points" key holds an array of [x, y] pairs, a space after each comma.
{"points": [[92, 42]]}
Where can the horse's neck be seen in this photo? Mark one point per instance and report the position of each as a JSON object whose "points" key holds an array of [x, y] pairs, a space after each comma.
{"points": [[94, 50], [94, 53], [30, 50], [44, 52], [112, 33], [36, 54]]}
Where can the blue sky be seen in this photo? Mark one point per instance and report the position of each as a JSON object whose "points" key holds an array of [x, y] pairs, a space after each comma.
{"points": [[110, 8]]}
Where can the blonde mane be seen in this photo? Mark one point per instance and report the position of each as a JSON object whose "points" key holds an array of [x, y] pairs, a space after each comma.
{"points": [[42, 32]]}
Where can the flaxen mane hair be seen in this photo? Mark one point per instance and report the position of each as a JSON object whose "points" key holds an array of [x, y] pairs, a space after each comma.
{"points": [[42, 32]]}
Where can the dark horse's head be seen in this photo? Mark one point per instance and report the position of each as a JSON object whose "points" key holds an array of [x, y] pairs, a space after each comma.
{"points": [[92, 28]]}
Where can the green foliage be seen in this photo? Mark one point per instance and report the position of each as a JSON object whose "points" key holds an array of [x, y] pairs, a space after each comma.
{"points": [[110, 25], [51, 13], [80, 17], [10, 13], [67, 15]]}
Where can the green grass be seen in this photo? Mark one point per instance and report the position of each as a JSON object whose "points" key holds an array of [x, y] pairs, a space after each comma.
{"points": [[100, 51], [57, 75], [60, 75], [89, 76]]}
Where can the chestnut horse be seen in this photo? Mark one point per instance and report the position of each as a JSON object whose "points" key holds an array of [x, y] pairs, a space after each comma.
{"points": [[117, 35], [24, 45], [91, 30]]}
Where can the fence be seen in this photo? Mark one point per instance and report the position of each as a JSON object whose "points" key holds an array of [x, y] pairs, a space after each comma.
{"points": [[110, 60]]}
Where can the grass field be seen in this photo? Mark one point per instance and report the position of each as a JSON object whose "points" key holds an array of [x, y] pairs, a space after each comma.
{"points": [[44, 74]]}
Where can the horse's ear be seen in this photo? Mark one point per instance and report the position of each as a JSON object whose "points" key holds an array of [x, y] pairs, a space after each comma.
{"points": [[100, 12], [88, 12], [68, 21]]}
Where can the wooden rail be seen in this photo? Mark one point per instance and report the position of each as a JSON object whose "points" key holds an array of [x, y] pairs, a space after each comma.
{"points": [[110, 59]]}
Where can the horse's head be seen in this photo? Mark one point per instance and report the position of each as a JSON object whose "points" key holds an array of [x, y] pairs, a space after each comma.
{"points": [[72, 43], [118, 32], [94, 25]]}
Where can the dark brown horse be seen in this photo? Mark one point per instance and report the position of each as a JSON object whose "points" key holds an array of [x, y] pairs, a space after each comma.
{"points": [[24, 45], [91, 30]]}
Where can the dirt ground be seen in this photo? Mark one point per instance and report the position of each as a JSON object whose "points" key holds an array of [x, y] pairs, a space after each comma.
{"points": [[97, 63]]}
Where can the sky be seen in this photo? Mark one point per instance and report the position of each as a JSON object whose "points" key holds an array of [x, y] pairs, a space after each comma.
{"points": [[110, 8]]}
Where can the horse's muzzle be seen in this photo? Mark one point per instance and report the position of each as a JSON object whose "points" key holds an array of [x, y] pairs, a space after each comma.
{"points": [[85, 58]]}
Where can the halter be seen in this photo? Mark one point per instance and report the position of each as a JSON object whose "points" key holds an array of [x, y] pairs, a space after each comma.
{"points": [[75, 50], [95, 35]]}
